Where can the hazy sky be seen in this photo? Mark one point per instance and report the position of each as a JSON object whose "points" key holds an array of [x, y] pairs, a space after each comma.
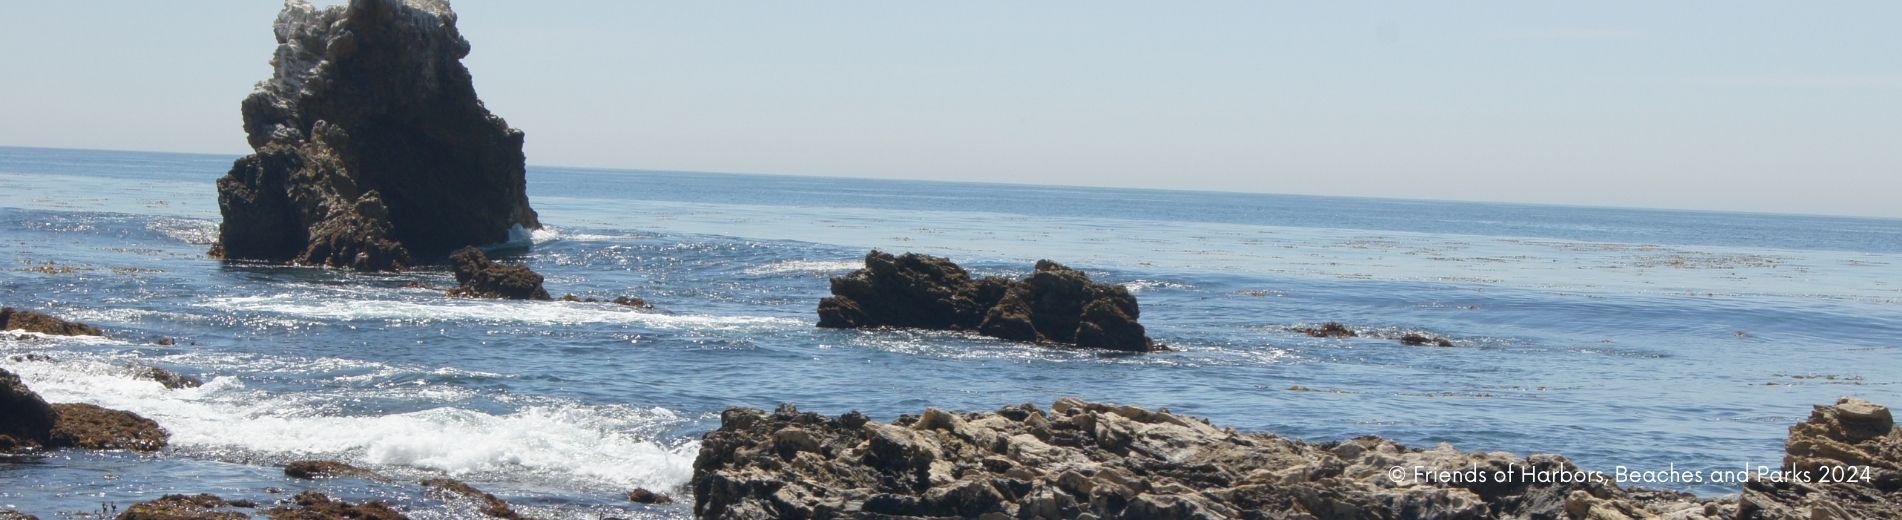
{"points": [[1754, 106]]}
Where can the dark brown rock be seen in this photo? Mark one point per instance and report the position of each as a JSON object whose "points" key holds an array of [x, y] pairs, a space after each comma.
{"points": [[183, 507], [370, 146], [628, 301], [1417, 339], [451, 489], [9, 514], [26, 420], [1055, 304], [311, 505], [481, 277], [315, 469], [31, 321], [1328, 330], [643, 496], [87, 426], [170, 379]]}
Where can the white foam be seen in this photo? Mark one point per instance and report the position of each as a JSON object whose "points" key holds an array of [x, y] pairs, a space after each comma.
{"points": [[611, 447], [807, 266], [488, 311], [1141, 285]]}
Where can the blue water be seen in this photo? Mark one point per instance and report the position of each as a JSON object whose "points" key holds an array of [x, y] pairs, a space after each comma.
{"points": [[1642, 338]]}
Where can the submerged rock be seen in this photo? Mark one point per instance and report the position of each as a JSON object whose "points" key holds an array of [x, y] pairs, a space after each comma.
{"points": [[371, 149], [185, 507], [627, 301], [1054, 304], [451, 489], [643, 496], [315, 469], [26, 420], [311, 505], [1418, 339], [170, 379], [481, 277], [1332, 329], [31, 321], [87, 426], [1078, 458]]}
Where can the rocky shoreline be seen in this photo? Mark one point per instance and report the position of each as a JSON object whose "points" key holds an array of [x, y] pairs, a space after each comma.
{"points": [[1088, 460]]}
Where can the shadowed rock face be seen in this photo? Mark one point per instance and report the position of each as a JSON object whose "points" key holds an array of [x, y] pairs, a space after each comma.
{"points": [[371, 148], [1109, 461], [26, 420], [1055, 304]]}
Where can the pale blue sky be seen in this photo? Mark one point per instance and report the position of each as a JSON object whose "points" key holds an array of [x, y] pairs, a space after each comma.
{"points": [[1753, 106]]}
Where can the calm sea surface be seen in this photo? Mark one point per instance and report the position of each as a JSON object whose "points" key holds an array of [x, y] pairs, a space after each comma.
{"points": [[1640, 338]]}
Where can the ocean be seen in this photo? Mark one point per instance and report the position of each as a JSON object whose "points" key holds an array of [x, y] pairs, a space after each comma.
{"points": [[1648, 339]]}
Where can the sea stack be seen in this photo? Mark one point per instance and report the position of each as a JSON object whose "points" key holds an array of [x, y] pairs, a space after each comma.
{"points": [[1055, 304], [371, 150]]}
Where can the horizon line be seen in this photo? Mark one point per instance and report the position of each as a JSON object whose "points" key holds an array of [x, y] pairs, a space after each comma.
{"points": [[614, 169]]}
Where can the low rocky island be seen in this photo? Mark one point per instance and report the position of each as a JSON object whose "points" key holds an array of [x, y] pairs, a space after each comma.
{"points": [[1082, 460], [34, 321], [1055, 304], [28, 422], [371, 150]]}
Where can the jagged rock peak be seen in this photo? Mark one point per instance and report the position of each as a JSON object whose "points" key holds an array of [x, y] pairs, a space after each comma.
{"points": [[372, 149]]}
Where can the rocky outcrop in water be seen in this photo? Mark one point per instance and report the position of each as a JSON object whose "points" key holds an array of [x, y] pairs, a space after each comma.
{"points": [[316, 469], [1055, 304], [371, 148], [481, 277], [451, 490], [1105, 461], [170, 379], [186, 507], [29, 422], [93, 427], [31, 321], [311, 505]]}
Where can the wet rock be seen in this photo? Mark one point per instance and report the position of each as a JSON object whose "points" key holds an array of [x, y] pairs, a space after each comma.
{"points": [[170, 379], [184, 507], [315, 469], [481, 277], [1417, 339], [31, 321], [1845, 461], [1328, 330], [618, 300], [165, 342], [643, 496], [87, 426], [370, 146], [9, 514], [451, 489], [311, 505], [26, 420], [1083, 460], [1055, 304]]}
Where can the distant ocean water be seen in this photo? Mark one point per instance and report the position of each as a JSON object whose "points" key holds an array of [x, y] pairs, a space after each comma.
{"points": [[1641, 338]]}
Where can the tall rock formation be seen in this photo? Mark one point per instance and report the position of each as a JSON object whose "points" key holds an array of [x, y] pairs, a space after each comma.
{"points": [[371, 148]]}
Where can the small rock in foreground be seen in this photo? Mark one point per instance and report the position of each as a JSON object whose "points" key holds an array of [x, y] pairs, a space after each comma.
{"points": [[315, 469], [184, 507], [643, 496], [311, 505], [451, 489], [87, 426]]}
